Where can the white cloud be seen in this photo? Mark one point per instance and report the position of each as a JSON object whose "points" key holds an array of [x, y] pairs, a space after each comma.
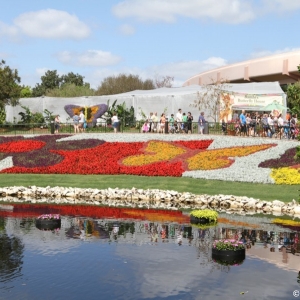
{"points": [[226, 11], [51, 24], [10, 31], [280, 5], [264, 53], [93, 58], [181, 71], [47, 24], [127, 29]]}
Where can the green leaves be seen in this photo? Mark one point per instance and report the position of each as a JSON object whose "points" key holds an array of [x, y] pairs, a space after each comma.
{"points": [[9, 85]]}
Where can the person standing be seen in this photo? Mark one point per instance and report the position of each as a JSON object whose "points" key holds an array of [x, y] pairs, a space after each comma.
{"points": [[154, 122], [243, 123], [56, 124], [179, 118], [189, 122], [76, 123], [115, 122], [201, 123], [81, 121], [150, 121], [162, 123]]}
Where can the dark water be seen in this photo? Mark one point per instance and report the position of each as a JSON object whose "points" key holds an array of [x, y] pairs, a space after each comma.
{"points": [[136, 258]]}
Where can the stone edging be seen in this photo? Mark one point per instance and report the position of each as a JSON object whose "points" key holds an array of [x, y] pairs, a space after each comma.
{"points": [[163, 199]]}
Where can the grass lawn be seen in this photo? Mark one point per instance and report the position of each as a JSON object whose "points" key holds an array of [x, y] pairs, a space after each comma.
{"points": [[269, 192]]}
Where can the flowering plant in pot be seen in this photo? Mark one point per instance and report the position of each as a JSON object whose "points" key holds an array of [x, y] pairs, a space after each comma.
{"points": [[228, 245], [204, 216]]}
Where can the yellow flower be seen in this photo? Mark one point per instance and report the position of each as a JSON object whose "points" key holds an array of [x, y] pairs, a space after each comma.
{"points": [[158, 151], [286, 175]]}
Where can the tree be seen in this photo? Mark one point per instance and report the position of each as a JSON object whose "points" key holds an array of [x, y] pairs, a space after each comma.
{"points": [[25, 92], [70, 85], [210, 98], [71, 90], [72, 78], [50, 80], [293, 97], [123, 83], [164, 81], [9, 85]]}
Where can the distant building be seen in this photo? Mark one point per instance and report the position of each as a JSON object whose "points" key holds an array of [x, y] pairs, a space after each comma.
{"points": [[279, 67]]}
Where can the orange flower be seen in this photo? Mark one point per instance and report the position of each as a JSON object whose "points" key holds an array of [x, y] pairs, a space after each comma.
{"points": [[158, 151], [220, 158]]}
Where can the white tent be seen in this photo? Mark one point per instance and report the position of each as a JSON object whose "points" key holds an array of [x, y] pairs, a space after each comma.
{"points": [[146, 101]]}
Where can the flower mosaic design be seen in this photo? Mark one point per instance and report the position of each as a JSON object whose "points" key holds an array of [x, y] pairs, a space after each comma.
{"points": [[21, 146], [59, 155], [221, 158], [285, 169]]}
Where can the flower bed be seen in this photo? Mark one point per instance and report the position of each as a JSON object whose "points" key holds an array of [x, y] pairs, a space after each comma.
{"points": [[221, 158]]}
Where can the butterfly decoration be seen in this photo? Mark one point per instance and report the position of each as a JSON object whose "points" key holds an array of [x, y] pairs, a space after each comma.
{"points": [[92, 113]]}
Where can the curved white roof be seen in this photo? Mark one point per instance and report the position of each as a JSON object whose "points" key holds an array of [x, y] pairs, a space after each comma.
{"points": [[280, 67]]}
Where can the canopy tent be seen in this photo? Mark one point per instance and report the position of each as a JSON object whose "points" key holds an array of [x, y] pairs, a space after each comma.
{"points": [[167, 100]]}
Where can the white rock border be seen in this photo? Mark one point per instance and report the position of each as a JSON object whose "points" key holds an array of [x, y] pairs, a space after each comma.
{"points": [[154, 198]]}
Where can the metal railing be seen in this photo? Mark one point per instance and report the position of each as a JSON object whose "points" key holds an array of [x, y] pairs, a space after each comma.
{"points": [[137, 127]]}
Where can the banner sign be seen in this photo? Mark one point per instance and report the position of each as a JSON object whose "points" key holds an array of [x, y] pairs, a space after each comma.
{"points": [[248, 102]]}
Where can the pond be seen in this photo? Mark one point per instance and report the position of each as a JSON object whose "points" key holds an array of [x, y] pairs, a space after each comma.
{"points": [[124, 253]]}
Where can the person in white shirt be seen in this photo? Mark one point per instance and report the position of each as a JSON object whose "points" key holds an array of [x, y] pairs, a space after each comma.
{"points": [[179, 118], [280, 124], [271, 125], [81, 121], [115, 122]]}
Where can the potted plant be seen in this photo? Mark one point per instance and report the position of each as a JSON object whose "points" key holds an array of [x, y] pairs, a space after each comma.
{"points": [[48, 221], [228, 250], [205, 216]]}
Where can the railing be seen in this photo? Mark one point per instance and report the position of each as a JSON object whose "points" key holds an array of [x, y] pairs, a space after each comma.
{"points": [[137, 127]]}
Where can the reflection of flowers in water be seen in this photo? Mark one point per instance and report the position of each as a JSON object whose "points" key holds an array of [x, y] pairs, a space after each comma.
{"points": [[205, 226], [49, 217]]}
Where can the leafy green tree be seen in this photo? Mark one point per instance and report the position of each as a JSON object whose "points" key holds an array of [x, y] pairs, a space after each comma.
{"points": [[123, 83], [50, 80], [71, 90], [72, 78], [9, 85], [70, 85], [293, 97], [25, 92]]}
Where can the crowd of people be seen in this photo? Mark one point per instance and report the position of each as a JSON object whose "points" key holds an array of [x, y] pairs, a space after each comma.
{"points": [[266, 125], [243, 124], [179, 123]]}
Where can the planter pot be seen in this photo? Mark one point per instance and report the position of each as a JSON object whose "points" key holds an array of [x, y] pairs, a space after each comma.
{"points": [[195, 220], [48, 224], [229, 255]]}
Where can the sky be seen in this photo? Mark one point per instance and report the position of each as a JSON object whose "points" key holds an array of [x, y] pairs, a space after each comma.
{"points": [[149, 38]]}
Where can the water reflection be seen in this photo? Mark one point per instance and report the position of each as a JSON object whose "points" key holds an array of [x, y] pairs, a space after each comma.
{"points": [[11, 256], [147, 254]]}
